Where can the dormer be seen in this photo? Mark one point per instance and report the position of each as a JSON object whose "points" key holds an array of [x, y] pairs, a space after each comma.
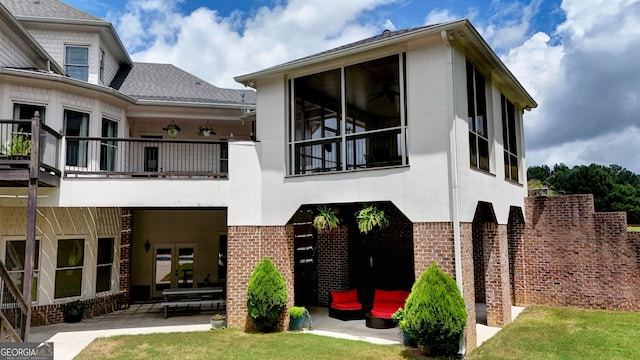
{"points": [[87, 47]]}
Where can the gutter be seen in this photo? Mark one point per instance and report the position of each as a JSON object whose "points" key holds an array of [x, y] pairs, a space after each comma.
{"points": [[453, 168]]}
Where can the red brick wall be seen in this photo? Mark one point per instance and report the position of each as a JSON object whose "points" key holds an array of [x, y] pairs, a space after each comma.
{"points": [[52, 314], [125, 256], [247, 246], [333, 262], [573, 256]]}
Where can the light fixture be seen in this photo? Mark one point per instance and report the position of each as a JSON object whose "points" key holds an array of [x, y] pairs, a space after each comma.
{"points": [[147, 246], [172, 129]]}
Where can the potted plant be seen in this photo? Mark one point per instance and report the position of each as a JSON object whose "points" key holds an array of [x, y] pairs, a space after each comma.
{"points": [[172, 129], [370, 217], [399, 318], [205, 131], [19, 148], [326, 219], [297, 315], [217, 321], [73, 311]]}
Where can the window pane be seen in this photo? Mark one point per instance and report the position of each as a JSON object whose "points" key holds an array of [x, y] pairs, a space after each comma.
{"points": [[76, 124], [374, 150], [103, 278], [14, 255], [373, 94], [318, 156], [78, 72], [317, 105], [514, 168], [70, 253], [77, 55], [105, 251], [68, 283], [483, 154], [473, 150]]}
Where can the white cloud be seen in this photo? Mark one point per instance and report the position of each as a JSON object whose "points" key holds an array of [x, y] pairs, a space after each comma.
{"points": [[587, 85], [218, 48], [438, 16]]}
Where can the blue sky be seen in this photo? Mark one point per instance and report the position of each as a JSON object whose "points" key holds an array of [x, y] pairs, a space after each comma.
{"points": [[577, 58]]}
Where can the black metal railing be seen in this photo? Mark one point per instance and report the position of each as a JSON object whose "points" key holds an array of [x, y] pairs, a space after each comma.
{"points": [[13, 309], [127, 157], [16, 140]]}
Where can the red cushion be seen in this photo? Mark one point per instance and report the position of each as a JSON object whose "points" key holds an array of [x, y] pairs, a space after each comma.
{"points": [[353, 305], [386, 295], [384, 311], [403, 296], [344, 296]]}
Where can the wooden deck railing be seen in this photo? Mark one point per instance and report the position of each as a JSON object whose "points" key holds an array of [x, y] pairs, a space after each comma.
{"points": [[13, 309]]}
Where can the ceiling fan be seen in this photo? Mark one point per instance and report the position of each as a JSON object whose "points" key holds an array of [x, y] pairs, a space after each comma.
{"points": [[389, 90]]}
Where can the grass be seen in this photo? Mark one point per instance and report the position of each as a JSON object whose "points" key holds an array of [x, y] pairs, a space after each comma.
{"points": [[633, 228], [539, 333], [562, 333], [237, 344]]}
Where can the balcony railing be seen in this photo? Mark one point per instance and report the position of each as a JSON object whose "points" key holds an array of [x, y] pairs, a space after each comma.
{"points": [[16, 141], [127, 157], [13, 309]]}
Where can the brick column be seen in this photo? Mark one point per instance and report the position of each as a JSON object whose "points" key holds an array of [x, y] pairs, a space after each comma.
{"points": [[497, 289], [433, 242], [333, 262], [126, 236], [247, 246]]}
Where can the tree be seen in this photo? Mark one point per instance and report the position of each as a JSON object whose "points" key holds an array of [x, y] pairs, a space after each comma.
{"points": [[266, 295], [435, 312]]}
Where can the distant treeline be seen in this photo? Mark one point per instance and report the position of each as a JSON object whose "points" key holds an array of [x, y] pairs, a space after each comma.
{"points": [[614, 188]]}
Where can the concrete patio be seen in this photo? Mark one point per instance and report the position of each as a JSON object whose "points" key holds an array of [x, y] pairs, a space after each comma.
{"points": [[70, 339]]}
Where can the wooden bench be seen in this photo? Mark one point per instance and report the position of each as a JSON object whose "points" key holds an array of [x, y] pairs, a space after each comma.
{"points": [[192, 297]]}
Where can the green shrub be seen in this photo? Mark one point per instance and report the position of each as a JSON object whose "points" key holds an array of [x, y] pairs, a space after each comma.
{"points": [[266, 295], [435, 312], [370, 217], [297, 312]]}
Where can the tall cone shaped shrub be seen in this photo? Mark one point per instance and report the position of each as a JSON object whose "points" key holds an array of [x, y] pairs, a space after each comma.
{"points": [[266, 295], [435, 312]]}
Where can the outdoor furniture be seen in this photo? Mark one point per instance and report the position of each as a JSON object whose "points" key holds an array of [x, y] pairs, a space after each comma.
{"points": [[345, 305], [192, 297], [385, 303]]}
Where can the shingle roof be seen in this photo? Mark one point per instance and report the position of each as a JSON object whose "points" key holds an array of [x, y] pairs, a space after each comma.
{"points": [[53, 9], [166, 82]]}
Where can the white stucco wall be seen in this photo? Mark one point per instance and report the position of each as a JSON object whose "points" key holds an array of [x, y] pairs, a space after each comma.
{"points": [[423, 190]]}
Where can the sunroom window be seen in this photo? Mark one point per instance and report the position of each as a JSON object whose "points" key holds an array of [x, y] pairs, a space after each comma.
{"points": [[510, 139], [373, 133], [477, 116]]}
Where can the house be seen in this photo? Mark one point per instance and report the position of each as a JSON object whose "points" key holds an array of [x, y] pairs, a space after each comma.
{"points": [[109, 156], [424, 123], [427, 124]]}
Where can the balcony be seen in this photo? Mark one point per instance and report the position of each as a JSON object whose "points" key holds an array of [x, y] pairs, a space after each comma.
{"points": [[98, 157], [87, 157]]}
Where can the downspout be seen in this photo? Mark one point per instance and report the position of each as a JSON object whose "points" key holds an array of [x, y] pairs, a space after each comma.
{"points": [[453, 168]]}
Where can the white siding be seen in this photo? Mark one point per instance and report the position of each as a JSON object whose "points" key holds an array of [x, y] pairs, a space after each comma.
{"points": [[11, 55]]}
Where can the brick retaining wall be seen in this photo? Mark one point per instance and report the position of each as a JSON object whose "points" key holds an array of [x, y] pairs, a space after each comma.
{"points": [[573, 256]]}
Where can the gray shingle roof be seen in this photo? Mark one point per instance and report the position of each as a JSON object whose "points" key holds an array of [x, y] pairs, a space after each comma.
{"points": [[166, 82], [53, 9]]}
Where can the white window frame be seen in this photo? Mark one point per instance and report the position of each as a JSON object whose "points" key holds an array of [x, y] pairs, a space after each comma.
{"points": [[80, 267], [68, 64], [36, 269]]}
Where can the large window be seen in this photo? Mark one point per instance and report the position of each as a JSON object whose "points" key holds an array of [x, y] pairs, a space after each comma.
{"points": [[76, 124], [510, 139], [108, 148], [477, 116], [26, 112], [69, 266], [105, 264], [14, 261], [76, 62], [372, 134]]}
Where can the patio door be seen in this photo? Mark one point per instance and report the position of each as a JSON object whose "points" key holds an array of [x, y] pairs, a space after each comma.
{"points": [[173, 267]]}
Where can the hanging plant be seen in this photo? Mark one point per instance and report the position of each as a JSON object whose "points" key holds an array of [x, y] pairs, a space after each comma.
{"points": [[172, 129], [205, 131], [326, 219], [370, 217]]}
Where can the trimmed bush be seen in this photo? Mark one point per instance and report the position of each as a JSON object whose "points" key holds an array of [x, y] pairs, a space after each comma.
{"points": [[266, 295], [435, 313]]}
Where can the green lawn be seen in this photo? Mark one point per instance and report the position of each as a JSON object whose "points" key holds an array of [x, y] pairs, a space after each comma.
{"points": [[633, 228], [561, 333], [538, 333]]}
